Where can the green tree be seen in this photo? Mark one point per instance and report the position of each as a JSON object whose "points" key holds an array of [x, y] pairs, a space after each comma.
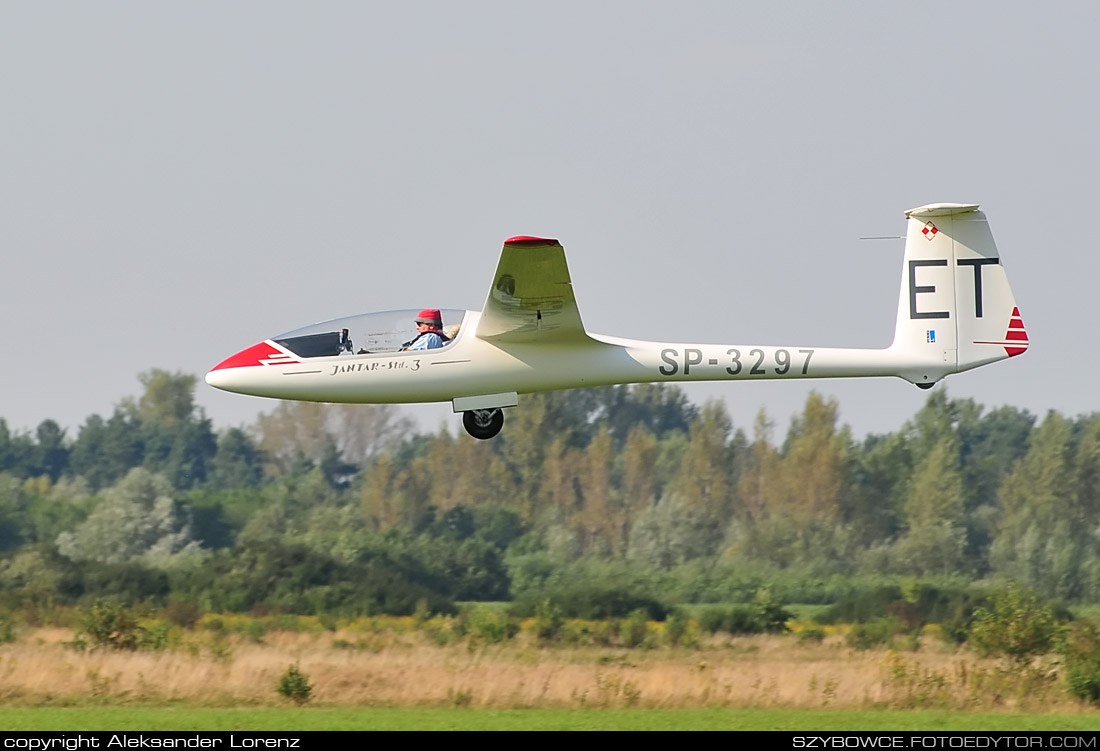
{"points": [[13, 505], [105, 450], [138, 518], [168, 399], [812, 473], [357, 433], [398, 498], [705, 480], [660, 408], [177, 441], [1086, 473], [53, 508], [674, 531], [640, 483], [875, 506], [378, 494], [600, 518], [1042, 539], [238, 462], [757, 486], [1039, 488], [18, 453], [935, 542], [293, 430], [52, 450], [989, 445], [182, 452]]}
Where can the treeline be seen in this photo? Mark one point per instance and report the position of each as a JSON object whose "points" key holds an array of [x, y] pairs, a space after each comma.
{"points": [[600, 500]]}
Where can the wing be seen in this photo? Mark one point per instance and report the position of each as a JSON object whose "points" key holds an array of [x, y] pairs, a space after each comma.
{"points": [[531, 299]]}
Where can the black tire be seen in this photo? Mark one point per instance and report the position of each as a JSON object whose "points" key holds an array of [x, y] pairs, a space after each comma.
{"points": [[483, 424]]}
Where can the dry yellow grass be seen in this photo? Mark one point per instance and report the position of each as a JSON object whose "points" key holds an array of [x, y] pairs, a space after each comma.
{"points": [[406, 669]]}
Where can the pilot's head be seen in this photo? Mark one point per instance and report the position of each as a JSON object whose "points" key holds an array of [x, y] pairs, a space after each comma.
{"points": [[429, 319]]}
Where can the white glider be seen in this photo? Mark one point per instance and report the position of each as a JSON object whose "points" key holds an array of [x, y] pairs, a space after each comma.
{"points": [[955, 312]]}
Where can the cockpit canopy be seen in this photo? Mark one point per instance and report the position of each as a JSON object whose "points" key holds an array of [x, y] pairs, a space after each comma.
{"points": [[388, 331]]}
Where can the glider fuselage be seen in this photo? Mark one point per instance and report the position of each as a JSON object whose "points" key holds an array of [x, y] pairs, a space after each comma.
{"points": [[471, 366]]}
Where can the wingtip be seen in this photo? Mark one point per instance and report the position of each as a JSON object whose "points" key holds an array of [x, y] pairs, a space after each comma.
{"points": [[530, 240]]}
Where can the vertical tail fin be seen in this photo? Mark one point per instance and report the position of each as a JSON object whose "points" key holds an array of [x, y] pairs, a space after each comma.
{"points": [[956, 310]]}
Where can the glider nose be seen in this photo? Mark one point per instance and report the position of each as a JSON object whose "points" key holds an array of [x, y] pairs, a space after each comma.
{"points": [[233, 373], [226, 374], [218, 378]]}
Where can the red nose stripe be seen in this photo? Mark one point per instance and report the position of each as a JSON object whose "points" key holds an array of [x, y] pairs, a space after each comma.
{"points": [[259, 354]]}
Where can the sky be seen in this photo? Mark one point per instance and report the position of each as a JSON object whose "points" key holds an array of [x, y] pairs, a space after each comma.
{"points": [[179, 181]]}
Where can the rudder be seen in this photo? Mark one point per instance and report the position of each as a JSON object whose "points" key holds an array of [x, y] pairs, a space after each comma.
{"points": [[988, 323], [955, 310]]}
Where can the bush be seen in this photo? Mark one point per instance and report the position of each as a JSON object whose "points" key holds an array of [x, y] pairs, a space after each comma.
{"points": [[549, 621], [874, 633], [183, 613], [916, 605], [812, 633], [294, 685], [711, 619], [108, 625], [489, 625], [7, 628], [591, 600], [763, 616], [771, 616], [678, 630], [1080, 650], [736, 619], [862, 607], [632, 631], [589, 633], [1018, 624]]}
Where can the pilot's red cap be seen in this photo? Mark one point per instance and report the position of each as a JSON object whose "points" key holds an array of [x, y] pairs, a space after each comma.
{"points": [[431, 316]]}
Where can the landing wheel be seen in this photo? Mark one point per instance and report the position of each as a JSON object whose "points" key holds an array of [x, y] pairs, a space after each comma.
{"points": [[483, 423]]}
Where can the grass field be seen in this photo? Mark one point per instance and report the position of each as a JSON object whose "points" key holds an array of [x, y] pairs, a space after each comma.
{"points": [[387, 674], [315, 719]]}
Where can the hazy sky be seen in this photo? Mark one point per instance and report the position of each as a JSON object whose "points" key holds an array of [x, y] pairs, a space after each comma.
{"points": [[181, 180]]}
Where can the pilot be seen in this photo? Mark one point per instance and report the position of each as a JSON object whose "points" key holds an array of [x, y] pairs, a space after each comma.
{"points": [[429, 324]]}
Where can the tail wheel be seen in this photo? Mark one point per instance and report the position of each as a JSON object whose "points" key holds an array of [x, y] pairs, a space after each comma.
{"points": [[483, 423]]}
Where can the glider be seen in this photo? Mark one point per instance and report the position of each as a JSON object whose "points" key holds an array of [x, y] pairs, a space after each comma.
{"points": [[955, 312]]}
